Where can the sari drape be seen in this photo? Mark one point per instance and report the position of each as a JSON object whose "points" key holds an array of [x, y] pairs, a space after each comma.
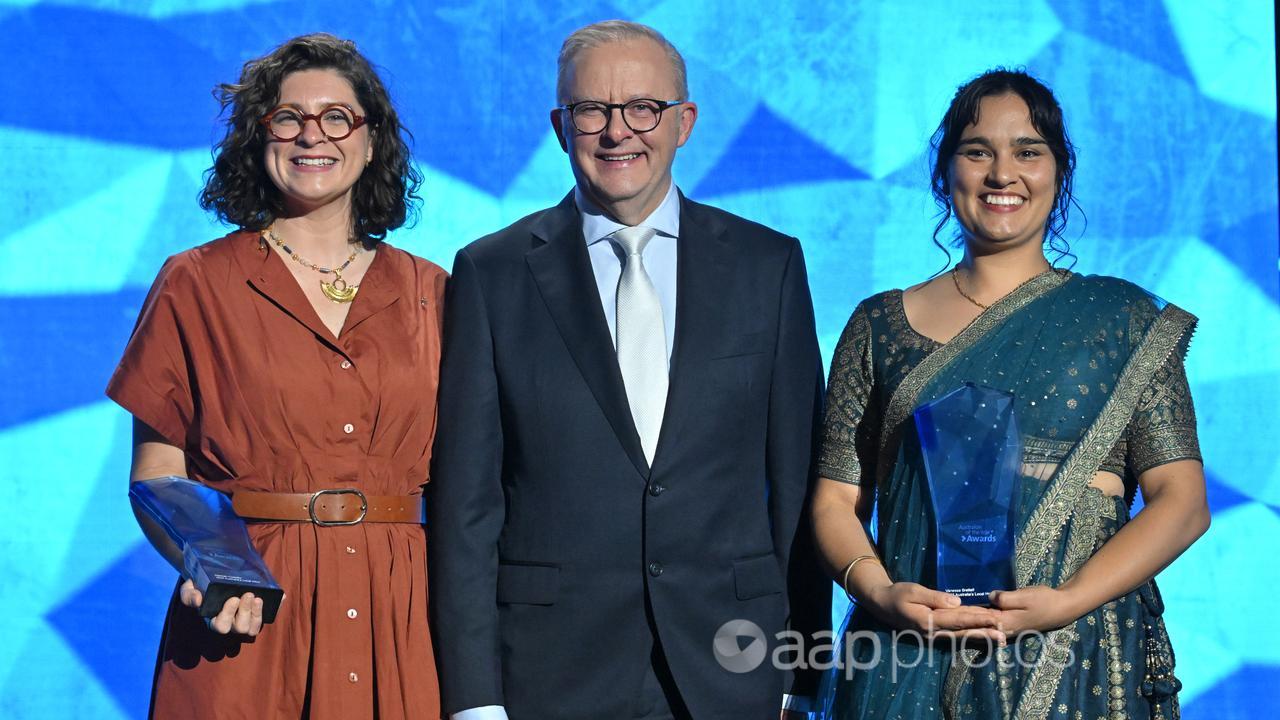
{"points": [[1095, 365]]}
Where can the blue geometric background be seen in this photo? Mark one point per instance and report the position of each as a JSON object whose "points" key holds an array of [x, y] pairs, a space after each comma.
{"points": [[814, 119]]}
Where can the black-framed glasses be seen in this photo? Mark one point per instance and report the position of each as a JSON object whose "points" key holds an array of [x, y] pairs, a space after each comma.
{"points": [[591, 117], [337, 122]]}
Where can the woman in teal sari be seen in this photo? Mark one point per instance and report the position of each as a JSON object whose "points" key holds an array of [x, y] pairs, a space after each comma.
{"points": [[1095, 366]]}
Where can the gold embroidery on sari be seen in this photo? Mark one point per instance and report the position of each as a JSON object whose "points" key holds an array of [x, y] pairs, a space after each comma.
{"points": [[1006, 665], [1082, 539], [1163, 428], [848, 394], [905, 337], [1115, 678], [1038, 692], [1083, 532], [956, 677], [1044, 450]]}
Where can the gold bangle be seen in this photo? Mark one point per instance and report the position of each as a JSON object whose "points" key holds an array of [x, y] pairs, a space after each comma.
{"points": [[844, 581]]}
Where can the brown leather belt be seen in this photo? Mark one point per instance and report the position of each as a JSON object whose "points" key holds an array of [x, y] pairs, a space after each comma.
{"points": [[342, 506]]}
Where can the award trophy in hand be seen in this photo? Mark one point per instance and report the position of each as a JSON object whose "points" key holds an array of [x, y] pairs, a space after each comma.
{"points": [[972, 454], [216, 552]]}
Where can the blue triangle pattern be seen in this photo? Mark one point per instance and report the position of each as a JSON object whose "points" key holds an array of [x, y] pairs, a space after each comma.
{"points": [[113, 623], [1237, 695], [66, 358], [93, 60], [1221, 496], [181, 225], [769, 152], [1140, 29], [1237, 243]]}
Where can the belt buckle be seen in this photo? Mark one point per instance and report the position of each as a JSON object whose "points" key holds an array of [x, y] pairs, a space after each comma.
{"points": [[311, 507]]}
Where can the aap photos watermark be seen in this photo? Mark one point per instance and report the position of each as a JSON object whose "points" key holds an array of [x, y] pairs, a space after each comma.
{"points": [[741, 646]]}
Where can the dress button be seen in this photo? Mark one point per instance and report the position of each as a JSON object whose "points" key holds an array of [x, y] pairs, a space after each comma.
{"points": [[657, 489], [348, 428], [353, 677], [351, 550], [352, 613], [655, 569], [346, 364]]}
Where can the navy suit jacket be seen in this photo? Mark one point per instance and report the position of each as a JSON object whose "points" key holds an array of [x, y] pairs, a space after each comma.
{"points": [[548, 531]]}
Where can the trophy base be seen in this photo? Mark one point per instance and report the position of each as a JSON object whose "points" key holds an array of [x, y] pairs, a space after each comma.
{"points": [[217, 594]]}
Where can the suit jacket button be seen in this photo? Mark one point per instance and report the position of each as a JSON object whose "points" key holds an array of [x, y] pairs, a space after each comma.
{"points": [[655, 569], [657, 489]]}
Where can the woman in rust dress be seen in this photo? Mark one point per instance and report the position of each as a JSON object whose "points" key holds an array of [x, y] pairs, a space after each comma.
{"points": [[299, 355]]}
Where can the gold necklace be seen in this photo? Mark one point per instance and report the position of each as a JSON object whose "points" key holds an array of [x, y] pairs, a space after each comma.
{"points": [[338, 291], [964, 294]]}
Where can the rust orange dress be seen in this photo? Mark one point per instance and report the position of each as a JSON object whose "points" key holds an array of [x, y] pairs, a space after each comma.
{"points": [[230, 363]]}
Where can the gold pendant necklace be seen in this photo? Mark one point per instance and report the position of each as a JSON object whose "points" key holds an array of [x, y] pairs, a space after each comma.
{"points": [[338, 291]]}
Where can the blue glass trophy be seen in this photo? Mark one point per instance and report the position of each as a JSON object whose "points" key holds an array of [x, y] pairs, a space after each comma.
{"points": [[217, 554], [972, 454]]}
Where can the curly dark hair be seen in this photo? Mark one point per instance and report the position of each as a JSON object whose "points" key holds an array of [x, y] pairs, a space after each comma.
{"points": [[237, 188], [1046, 117]]}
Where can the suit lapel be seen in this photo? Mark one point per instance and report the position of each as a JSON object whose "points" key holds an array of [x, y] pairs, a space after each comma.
{"points": [[703, 267], [561, 268]]}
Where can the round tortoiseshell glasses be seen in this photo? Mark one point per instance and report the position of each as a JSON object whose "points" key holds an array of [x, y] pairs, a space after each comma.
{"points": [[287, 122]]}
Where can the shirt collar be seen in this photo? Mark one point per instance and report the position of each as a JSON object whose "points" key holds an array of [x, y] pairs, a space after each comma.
{"points": [[597, 226]]}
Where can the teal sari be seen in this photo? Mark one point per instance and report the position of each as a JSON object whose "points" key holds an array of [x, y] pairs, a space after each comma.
{"points": [[1095, 365]]}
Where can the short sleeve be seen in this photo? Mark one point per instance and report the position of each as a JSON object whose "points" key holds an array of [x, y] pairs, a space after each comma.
{"points": [[1163, 427], [848, 393], [153, 379]]}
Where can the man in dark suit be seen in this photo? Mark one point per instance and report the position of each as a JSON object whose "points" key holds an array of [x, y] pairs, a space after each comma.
{"points": [[630, 388]]}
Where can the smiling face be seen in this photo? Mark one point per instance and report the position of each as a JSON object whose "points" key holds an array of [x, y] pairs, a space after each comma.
{"points": [[624, 172], [313, 171], [1003, 176]]}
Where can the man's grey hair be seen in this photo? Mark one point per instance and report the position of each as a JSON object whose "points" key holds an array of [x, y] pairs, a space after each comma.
{"points": [[611, 31]]}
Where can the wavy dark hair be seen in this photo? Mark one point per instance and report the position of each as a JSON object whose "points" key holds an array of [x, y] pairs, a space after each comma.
{"points": [[1046, 117], [237, 188]]}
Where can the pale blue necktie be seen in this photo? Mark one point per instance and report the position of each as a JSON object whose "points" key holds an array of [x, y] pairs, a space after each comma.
{"points": [[642, 339]]}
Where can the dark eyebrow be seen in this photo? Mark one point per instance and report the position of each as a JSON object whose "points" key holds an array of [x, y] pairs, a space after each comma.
{"points": [[325, 105], [980, 140]]}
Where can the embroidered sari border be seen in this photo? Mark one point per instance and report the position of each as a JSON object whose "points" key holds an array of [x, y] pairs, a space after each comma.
{"points": [[952, 686], [1042, 685]]}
